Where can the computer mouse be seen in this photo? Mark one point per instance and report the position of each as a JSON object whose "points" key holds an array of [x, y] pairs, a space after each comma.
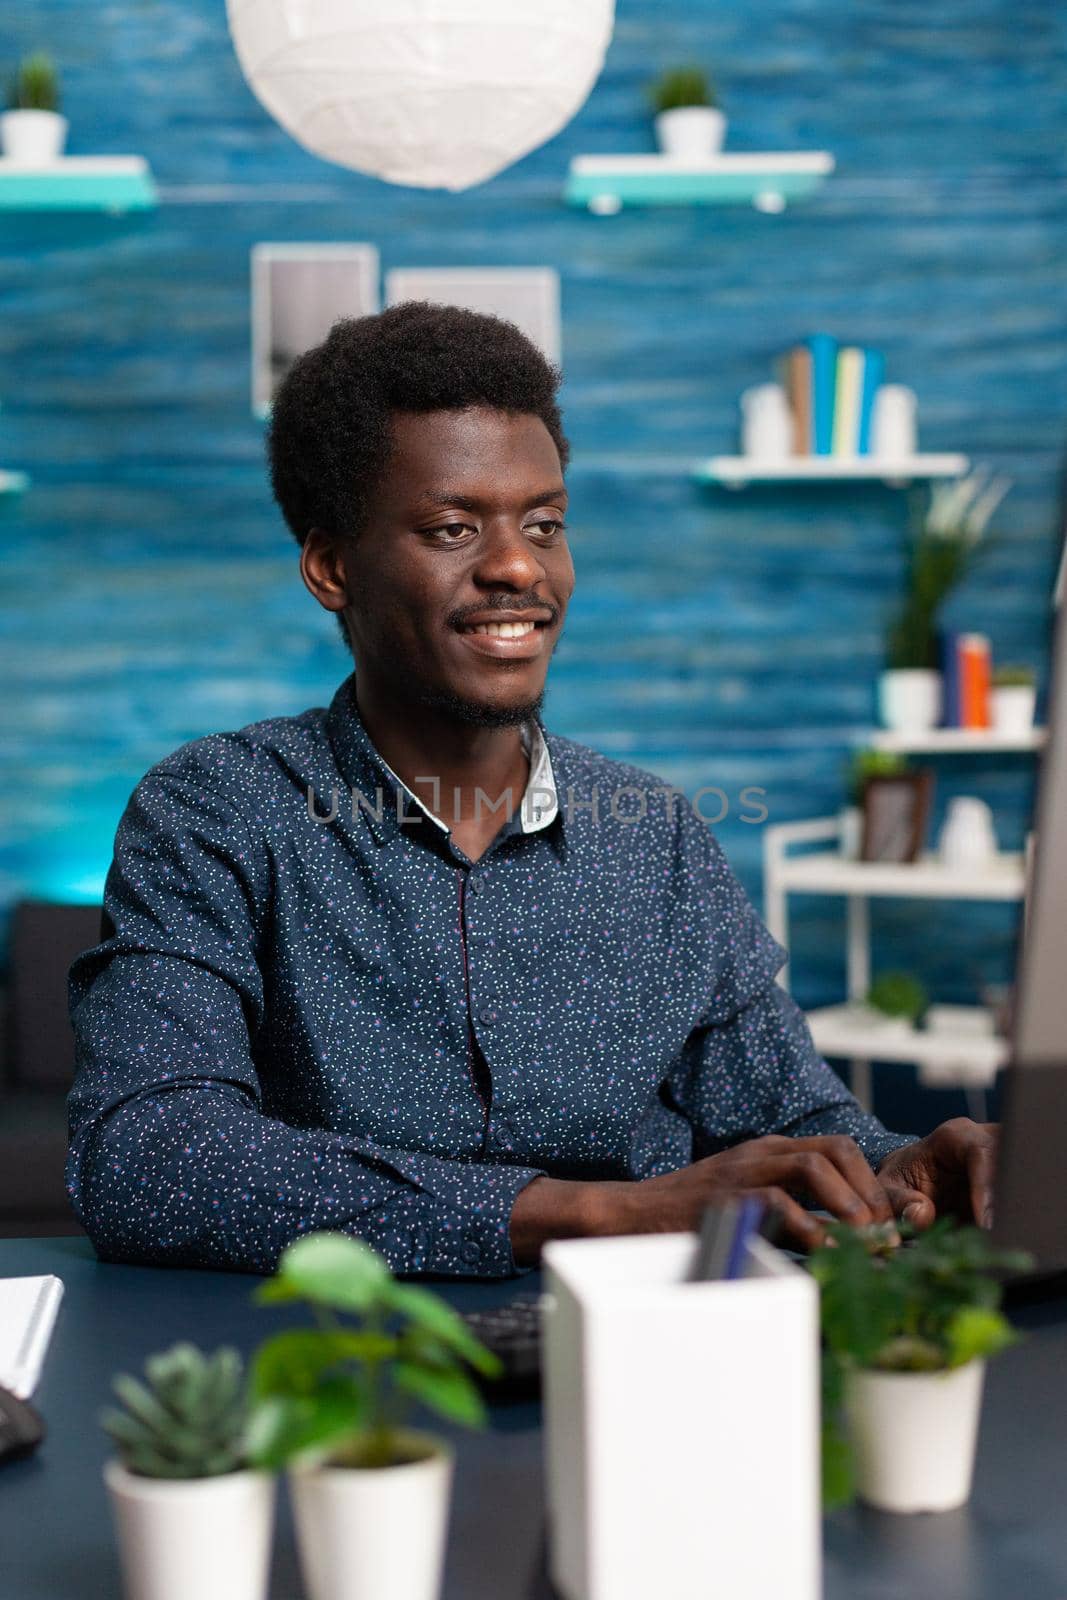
{"points": [[21, 1428]]}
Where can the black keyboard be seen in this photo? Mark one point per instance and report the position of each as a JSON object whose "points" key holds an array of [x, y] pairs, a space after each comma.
{"points": [[513, 1333]]}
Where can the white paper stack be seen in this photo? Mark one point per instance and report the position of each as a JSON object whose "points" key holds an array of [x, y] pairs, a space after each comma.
{"points": [[28, 1309]]}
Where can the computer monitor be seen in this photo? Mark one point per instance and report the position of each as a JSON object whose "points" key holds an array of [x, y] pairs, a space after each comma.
{"points": [[1030, 1195]]}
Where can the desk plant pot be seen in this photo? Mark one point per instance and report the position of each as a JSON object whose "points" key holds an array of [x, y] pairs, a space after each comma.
{"points": [[370, 1495], [203, 1537], [914, 1436], [909, 699], [374, 1533], [32, 132], [906, 1336], [192, 1519]]}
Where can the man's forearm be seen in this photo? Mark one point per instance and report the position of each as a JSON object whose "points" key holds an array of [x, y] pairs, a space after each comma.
{"points": [[556, 1208]]}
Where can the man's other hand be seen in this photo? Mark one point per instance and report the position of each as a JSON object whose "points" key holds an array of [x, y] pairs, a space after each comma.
{"points": [[950, 1172]]}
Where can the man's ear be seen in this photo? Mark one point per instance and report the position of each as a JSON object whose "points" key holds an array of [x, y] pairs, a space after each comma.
{"points": [[323, 571]]}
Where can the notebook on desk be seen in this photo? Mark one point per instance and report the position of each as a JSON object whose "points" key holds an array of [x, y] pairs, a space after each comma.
{"points": [[28, 1309]]}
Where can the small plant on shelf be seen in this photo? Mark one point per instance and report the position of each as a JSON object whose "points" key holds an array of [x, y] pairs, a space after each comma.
{"points": [[680, 87], [906, 1333], [1014, 677], [898, 995], [871, 763], [942, 546], [35, 85]]}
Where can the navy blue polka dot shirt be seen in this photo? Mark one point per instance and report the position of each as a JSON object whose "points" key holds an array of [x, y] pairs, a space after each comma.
{"points": [[315, 1011]]}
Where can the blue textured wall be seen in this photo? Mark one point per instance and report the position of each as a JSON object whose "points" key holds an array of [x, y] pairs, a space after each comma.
{"points": [[152, 593]]}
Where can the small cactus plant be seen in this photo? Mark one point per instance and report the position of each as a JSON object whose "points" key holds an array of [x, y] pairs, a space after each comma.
{"points": [[188, 1421]]}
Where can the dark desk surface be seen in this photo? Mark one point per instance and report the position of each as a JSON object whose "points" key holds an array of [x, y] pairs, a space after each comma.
{"points": [[55, 1531]]}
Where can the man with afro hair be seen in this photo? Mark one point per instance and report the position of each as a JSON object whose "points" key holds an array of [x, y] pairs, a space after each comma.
{"points": [[412, 967]]}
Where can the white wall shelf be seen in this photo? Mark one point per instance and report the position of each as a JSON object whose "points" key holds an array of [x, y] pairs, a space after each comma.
{"points": [[767, 180], [13, 482], [737, 472], [965, 1058], [957, 741], [78, 183]]}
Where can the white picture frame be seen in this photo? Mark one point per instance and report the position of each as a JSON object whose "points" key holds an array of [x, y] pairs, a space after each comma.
{"points": [[298, 291]]}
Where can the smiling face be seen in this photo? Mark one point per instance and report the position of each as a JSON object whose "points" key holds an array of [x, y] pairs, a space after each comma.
{"points": [[459, 582]]}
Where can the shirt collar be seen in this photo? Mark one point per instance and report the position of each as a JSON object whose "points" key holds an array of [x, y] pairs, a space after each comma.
{"points": [[382, 797]]}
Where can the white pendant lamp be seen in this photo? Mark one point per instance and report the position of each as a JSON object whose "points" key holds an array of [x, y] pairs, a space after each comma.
{"points": [[438, 94]]}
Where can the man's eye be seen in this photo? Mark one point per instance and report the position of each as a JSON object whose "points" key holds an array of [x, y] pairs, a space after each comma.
{"points": [[548, 528], [450, 530]]}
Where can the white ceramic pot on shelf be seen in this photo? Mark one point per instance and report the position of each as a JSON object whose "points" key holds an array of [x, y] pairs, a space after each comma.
{"points": [[373, 1533], [914, 1436], [33, 138], [691, 132], [208, 1537], [909, 699], [968, 837], [1012, 708]]}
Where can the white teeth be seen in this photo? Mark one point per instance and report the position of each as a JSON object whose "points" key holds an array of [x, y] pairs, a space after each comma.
{"points": [[504, 630]]}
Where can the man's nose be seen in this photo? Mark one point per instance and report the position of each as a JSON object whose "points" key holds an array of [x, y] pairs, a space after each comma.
{"points": [[508, 556]]}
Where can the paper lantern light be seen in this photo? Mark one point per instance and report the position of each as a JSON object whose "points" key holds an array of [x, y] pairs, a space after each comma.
{"points": [[439, 94]]}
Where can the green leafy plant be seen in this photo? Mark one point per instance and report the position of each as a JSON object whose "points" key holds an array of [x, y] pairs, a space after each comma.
{"points": [[35, 86], [340, 1391], [941, 546], [187, 1420], [871, 763], [1014, 677], [682, 86], [898, 994], [929, 1308]]}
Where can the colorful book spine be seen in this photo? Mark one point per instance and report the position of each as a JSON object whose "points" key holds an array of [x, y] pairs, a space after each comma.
{"points": [[974, 653], [848, 388], [873, 378], [823, 382], [951, 697], [798, 386]]}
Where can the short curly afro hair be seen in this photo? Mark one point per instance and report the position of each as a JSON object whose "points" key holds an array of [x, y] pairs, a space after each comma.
{"points": [[328, 440]]}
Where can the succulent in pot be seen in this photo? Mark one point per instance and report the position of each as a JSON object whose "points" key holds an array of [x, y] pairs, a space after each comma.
{"points": [[331, 1403], [1014, 700], [192, 1515], [689, 121], [32, 132]]}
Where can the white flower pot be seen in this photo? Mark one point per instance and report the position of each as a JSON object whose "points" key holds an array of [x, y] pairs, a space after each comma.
{"points": [[33, 138], [850, 836], [1013, 709], [691, 133], [909, 699], [914, 1436], [373, 1533], [208, 1537]]}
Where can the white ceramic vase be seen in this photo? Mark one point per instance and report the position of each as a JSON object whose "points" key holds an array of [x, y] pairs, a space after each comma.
{"points": [[1013, 709], [968, 838], [33, 138], [914, 1436], [373, 1533], [691, 133], [909, 699], [208, 1537]]}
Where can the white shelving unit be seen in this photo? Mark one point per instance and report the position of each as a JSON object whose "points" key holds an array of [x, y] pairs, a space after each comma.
{"points": [[738, 472], [768, 180], [964, 1058]]}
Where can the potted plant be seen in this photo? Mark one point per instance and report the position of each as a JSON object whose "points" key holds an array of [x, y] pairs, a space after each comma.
{"points": [[941, 547], [370, 1494], [192, 1518], [1013, 700], [863, 764], [32, 131], [906, 1336], [689, 122], [898, 1001]]}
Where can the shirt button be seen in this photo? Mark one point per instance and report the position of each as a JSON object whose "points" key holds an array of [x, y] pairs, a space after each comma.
{"points": [[474, 885], [470, 1252]]}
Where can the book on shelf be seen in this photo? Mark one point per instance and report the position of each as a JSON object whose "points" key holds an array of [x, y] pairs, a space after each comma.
{"points": [[848, 390], [951, 699], [823, 349], [797, 381], [873, 377], [975, 657]]}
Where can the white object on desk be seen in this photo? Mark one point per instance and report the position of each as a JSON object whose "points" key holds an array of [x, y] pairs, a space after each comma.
{"points": [[968, 838], [682, 1424], [28, 1309]]}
